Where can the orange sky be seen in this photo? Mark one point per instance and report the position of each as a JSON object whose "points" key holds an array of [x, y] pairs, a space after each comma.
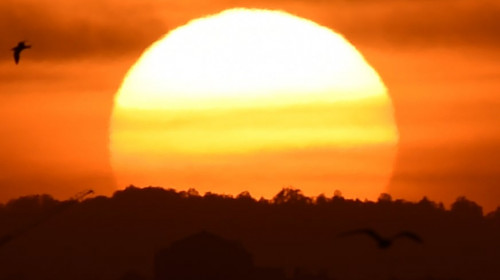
{"points": [[439, 60]]}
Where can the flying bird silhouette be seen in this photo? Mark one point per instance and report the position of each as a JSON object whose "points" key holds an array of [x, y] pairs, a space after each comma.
{"points": [[18, 49], [383, 242]]}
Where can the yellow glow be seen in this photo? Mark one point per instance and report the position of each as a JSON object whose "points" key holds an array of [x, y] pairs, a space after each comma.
{"points": [[214, 97]]}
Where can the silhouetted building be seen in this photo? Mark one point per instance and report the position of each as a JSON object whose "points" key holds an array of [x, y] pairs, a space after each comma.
{"points": [[204, 256]]}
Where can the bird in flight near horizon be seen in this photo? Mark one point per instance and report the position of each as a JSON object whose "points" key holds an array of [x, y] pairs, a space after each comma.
{"points": [[383, 242], [18, 49]]}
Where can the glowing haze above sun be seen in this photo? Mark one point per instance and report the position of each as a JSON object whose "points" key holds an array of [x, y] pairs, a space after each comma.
{"points": [[254, 100]]}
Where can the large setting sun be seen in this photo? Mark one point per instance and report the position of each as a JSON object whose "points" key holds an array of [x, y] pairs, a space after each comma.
{"points": [[253, 140], [254, 100]]}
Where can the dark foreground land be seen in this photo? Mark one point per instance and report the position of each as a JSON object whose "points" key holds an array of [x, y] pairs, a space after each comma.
{"points": [[154, 233]]}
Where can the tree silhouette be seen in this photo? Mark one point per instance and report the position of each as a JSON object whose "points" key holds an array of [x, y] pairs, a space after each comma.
{"points": [[290, 195], [108, 236], [466, 209]]}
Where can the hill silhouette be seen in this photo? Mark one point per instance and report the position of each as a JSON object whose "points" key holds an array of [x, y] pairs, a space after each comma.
{"points": [[291, 235], [203, 256]]}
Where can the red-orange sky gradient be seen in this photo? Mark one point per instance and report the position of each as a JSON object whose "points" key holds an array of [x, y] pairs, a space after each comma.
{"points": [[439, 60]]}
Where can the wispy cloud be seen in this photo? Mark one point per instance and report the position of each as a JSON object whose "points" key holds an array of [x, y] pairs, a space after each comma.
{"points": [[106, 29], [79, 29]]}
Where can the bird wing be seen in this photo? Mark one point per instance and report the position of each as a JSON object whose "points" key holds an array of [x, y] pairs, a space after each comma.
{"points": [[409, 235], [16, 56], [366, 231]]}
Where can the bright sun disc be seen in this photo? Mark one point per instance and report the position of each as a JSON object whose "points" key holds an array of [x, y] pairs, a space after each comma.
{"points": [[254, 100]]}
